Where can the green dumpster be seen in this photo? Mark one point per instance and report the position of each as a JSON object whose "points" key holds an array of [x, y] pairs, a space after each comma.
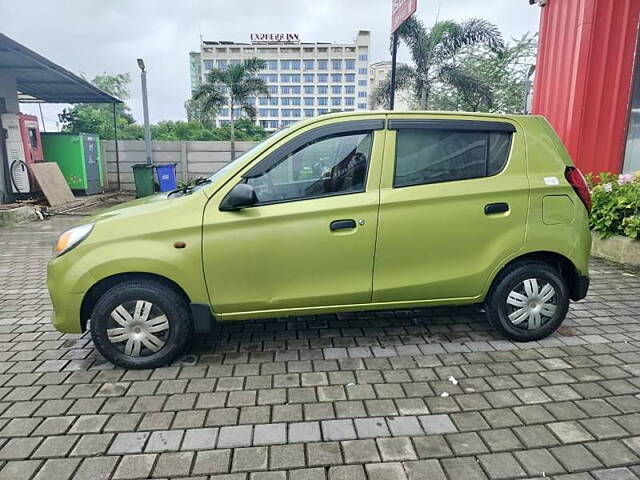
{"points": [[143, 175]]}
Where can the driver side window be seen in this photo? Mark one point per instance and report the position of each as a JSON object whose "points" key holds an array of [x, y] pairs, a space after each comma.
{"points": [[330, 165]]}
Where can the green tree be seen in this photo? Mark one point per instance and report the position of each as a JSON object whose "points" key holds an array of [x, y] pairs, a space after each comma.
{"points": [[233, 87], [196, 112], [504, 71], [245, 130], [436, 53], [98, 118]]}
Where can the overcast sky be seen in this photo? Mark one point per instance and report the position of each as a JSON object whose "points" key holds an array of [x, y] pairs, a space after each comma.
{"points": [[90, 37]]}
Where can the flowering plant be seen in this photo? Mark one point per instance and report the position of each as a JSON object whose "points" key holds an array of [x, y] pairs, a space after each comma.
{"points": [[616, 204]]}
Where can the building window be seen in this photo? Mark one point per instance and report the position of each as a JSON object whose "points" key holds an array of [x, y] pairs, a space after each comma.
{"points": [[273, 101], [286, 112], [350, 90], [308, 100], [224, 112], [308, 112], [295, 78], [273, 123], [308, 89], [349, 101], [362, 94], [323, 78], [284, 89], [263, 112], [295, 113], [363, 58], [323, 89], [264, 123], [349, 77], [285, 101], [323, 101], [295, 100], [336, 77], [271, 64], [263, 101], [308, 78], [274, 112], [295, 90], [350, 64], [362, 106], [322, 111], [336, 64], [273, 89], [362, 83], [208, 64], [335, 101], [309, 64], [336, 89], [272, 78], [322, 64], [362, 71]]}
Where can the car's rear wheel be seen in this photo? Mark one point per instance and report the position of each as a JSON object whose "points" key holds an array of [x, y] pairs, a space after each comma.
{"points": [[141, 324], [528, 301]]}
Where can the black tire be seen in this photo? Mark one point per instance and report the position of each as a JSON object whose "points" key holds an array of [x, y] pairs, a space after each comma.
{"points": [[509, 280], [169, 302]]}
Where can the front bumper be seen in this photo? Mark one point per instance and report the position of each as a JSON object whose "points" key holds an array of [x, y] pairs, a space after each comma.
{"points": [[63, 274], [581, 288]]}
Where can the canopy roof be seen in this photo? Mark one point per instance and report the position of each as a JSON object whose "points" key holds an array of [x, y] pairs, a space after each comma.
{"points": [[41, 80]]}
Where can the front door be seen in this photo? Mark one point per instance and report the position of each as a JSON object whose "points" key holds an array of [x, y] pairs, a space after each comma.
{"points": [[310, 239], [453, 204]]}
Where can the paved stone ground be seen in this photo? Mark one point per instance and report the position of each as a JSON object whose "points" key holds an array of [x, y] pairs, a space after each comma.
{"points": [[424, 394]]}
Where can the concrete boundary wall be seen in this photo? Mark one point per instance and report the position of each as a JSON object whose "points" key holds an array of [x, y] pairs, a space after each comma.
{"points": [[194, 159]]}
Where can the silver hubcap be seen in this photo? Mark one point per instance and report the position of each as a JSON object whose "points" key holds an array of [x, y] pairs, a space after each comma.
{"points": [[142, 328], [531, 303]]}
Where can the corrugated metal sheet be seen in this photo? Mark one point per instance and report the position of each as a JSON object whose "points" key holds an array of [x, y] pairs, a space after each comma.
{"points": [[583, 76]]}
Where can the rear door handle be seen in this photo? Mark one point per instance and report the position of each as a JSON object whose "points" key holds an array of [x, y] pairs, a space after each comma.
{"points": [[342, 224], [492, 208]]}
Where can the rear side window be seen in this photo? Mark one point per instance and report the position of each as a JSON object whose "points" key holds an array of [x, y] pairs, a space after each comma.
{"points": [[425, 155]]}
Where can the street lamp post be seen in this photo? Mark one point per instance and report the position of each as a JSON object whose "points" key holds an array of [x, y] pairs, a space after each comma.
{"points": [[145, 108]]}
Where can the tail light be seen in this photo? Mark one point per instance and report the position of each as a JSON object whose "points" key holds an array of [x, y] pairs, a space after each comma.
{"points": [[579, 184]]}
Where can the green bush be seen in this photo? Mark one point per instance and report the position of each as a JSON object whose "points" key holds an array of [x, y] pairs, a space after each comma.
{"points": [[616, 204]]}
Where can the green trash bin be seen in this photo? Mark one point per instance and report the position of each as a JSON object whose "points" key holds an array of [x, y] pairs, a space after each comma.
{"points": [[143, 175]]}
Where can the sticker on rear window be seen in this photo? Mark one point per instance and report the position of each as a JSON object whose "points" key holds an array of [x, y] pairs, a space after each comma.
{"points": [[551, 181]]}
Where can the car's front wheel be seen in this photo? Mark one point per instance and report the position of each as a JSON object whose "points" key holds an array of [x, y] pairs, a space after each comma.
{"points": [[141, 324], [528, 301]]}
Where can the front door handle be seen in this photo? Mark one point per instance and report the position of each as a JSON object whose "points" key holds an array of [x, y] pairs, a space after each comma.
{"points": [[492, 208], [342, 225]]}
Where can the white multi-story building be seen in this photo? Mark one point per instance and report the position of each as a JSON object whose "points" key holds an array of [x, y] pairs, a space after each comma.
{"points": [[378, 73], [304, 79]]}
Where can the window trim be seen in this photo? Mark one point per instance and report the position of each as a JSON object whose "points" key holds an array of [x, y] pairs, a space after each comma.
{"points": [[320, 132], [270, 160], [462, 125], [463, 128]]}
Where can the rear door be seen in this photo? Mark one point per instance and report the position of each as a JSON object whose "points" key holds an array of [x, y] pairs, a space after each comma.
{"points": [[453, 205]]}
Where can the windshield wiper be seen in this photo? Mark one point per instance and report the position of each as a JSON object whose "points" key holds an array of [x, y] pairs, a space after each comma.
{"points": [[188, 188]]}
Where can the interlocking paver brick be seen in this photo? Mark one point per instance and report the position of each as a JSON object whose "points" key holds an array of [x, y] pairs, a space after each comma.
{"points": [[173, 464], [304, 432], [134, 466], [99, 468], [212, 462], [347, 472], [59, 469], [20, 469], [321, 454], [437, 424], [395, 449], [270, 434], [385, 471], [238, 436], [465, 467], [539, 462], [501, 466], [249, 459], [128, 443], [612, 453], [286, 456], [575, 458], [164, 441]]}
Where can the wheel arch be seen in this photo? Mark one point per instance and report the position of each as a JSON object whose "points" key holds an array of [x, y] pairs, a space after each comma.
{"points": [[99, 288], [562, 264]]}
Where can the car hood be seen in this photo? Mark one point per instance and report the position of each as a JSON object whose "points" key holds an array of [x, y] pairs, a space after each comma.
{"points": [[133, 206]]}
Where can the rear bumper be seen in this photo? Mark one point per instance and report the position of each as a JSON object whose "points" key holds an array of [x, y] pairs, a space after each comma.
{"points": [[581, 288]]}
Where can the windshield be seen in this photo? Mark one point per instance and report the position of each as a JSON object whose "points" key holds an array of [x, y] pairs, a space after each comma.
{"points": [[229, 166]]}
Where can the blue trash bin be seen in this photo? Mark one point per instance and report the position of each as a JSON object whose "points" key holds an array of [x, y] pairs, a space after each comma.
{"points": [[166, 176]]}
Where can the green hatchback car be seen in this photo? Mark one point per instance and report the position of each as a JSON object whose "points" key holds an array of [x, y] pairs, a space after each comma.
{"points": [[343, 212]]}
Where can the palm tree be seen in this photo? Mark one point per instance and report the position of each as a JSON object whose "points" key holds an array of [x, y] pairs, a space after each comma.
{"points": [[435, 53], [233, 87]]}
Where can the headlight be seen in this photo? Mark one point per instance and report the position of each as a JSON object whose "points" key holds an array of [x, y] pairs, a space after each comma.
{"points": [[72, 237]]}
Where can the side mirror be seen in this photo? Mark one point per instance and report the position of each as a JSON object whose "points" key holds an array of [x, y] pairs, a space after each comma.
{"points": [[241, 196]]}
